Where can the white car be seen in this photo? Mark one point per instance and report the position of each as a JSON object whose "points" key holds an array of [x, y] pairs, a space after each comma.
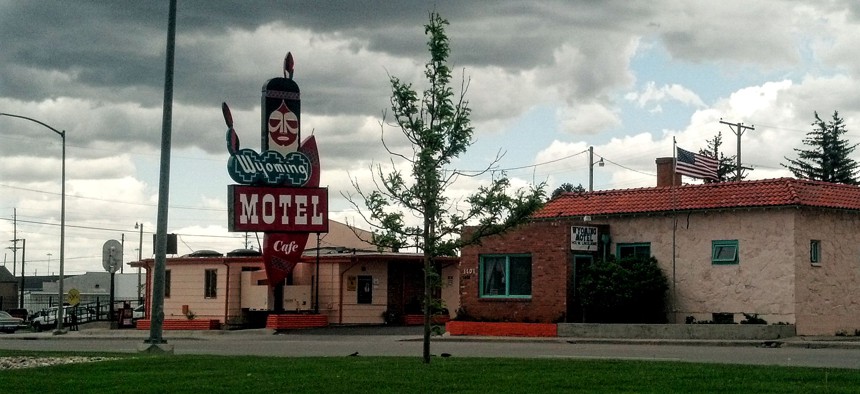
{"points": [[47, 318]]}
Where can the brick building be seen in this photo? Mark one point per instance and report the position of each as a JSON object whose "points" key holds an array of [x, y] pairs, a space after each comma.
{"points": [[785, 249]]}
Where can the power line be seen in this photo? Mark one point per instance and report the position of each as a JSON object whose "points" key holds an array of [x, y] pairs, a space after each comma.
{"points": [[528, 166], [112, 201], [629, 169], [113, 229]]}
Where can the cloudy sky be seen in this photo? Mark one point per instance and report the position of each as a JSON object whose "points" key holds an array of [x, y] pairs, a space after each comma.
{"points": [[547, 79]]}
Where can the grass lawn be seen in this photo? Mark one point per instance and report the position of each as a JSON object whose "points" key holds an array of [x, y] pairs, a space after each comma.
{"points": [[135, 373]]}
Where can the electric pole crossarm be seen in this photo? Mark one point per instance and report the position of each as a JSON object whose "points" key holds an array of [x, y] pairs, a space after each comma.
{"points": [[738, 132]]}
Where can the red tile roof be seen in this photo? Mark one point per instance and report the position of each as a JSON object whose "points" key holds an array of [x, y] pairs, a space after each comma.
{"points": [[726, 195]]}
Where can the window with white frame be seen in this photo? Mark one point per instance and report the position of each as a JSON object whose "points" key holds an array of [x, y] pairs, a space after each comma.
{"points": [[724, 252], [505, 276]]}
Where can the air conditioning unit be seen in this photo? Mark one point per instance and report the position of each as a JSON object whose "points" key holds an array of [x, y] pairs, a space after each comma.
{"points": [[255, 291], [297, 298]]}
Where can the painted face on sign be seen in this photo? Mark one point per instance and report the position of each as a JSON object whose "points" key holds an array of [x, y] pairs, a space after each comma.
{"points": [[283, 126]]}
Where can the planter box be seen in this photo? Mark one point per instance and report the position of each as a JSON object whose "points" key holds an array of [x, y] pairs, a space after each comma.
{"points": [[501, 329], [417, 320], [182, 324], [677, 331], [294, 321]]}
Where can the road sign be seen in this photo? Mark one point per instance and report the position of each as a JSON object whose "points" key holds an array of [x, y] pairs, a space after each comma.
{"points": [[74, 297], [112, 256]]}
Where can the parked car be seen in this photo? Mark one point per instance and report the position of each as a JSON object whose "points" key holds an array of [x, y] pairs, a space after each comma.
{"points": [[47, 318], [10, 324]]}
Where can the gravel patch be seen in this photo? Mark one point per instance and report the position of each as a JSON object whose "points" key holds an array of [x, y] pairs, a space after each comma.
{"points": [[17, 362]]}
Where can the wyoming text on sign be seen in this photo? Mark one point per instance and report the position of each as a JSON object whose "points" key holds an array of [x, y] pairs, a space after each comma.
{"points": [[278, 209]]}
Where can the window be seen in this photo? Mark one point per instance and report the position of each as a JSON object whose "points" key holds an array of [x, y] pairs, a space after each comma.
{"points": [[210, 283], [641, 250], [815, 251], [724, 252], [166, 283], [508, 276]]}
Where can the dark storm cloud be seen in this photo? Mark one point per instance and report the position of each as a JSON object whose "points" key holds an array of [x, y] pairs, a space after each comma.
{"points": [[120, 44], [106, 59]]}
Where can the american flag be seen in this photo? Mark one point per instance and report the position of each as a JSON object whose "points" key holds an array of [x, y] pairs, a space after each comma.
{"points": [[696, 165]]}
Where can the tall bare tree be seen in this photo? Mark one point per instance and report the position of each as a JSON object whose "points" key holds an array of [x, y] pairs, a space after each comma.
{"points": [[437, 125]]}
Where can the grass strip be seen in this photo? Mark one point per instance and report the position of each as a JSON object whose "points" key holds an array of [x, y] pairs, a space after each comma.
{"points": [[218, 374]]}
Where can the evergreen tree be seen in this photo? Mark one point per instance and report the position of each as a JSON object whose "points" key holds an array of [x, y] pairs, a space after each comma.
{"points": [[828, 158], [567, 188], [437, 125], [728, 168]]}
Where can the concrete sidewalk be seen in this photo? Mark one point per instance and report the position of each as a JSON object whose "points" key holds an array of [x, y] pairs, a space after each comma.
{"points": [[415, 333]]}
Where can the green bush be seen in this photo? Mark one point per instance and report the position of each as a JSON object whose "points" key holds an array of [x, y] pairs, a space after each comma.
{"points": [[630, 290]]}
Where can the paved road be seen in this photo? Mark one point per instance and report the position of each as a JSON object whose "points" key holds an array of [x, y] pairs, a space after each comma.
{"points": [[407, 342]]}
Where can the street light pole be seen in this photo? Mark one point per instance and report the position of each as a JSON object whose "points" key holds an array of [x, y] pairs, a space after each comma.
{"points": [[62, 135], [139, 258]]}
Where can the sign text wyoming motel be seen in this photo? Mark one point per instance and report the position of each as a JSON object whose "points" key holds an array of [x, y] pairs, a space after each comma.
{"points": [[278, 189]]}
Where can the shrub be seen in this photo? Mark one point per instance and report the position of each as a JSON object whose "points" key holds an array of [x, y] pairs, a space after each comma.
{"points": [[631, 290]]}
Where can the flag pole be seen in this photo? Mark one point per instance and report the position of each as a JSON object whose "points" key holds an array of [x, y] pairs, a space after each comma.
{"points": [[674, 228]]}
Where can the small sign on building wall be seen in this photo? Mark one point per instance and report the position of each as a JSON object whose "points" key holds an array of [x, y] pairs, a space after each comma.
{"points": [[583, 238], [350, 283]]}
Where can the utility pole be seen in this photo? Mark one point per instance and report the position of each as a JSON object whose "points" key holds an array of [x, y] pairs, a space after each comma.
{"points": [[23, 253], [14, 241], [738, 132], [591, 164], [122, 258]]}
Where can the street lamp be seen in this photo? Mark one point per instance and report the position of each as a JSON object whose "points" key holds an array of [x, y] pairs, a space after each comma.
{"points": [[139, 258], [62, 135], [591, 164]]}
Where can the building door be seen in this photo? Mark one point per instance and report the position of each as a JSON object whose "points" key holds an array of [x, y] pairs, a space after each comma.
{"points": [[365, 289], [574, 303]]}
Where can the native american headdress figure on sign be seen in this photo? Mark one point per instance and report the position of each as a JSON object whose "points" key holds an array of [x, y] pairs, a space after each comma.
{"points": [[278, 191]]}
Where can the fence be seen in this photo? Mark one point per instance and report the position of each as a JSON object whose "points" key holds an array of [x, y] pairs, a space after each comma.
{"points": [[97, 309]]}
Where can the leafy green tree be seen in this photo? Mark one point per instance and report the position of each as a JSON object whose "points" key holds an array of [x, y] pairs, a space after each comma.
{"points": [[828, 158], [728, 168], [567, 188], [436, 123]]}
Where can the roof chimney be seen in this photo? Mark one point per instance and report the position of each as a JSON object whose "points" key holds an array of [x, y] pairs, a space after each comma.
{"points": [[665, 170]]}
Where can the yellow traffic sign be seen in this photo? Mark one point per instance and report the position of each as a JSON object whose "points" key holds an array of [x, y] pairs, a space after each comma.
{"points": [[74, 297]]}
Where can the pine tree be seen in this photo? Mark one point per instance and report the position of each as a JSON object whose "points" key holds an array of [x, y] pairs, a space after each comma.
{"points": [[436, 123], [728, 168], [566, 188], [829, 158]]}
